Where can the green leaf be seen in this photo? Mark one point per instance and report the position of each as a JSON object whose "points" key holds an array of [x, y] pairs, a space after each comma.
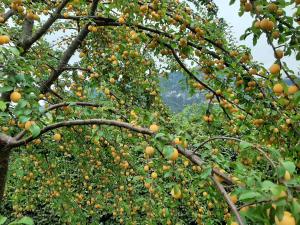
{"points": [[289, 166], [249, 195], [5, 89], [35, 130], [244, 144], [2, 219], [25, 220], [2, 106], [168, 151]]}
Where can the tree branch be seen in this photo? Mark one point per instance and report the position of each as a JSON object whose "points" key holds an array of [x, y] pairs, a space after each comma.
{"points": [[53, 17], [8, 14], [229, 202], [81, 123], [59, 105], [45, 86]]}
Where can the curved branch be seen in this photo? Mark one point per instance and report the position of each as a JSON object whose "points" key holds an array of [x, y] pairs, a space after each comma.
{"points": [[81, 123], [59, 105], [229, 202]]}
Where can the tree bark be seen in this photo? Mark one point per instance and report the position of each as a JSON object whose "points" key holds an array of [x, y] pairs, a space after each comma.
{"points": [[4, 162]]}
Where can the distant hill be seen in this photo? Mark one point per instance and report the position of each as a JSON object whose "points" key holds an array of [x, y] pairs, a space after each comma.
{"points": [[176, 93]]}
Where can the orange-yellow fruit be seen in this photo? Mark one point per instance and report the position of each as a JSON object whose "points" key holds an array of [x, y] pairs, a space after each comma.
{"points": [[176, 193], [266, 24], [275, 69], [121, 20], [248, 7], [154, 128], [174, 155], [234, 199], [287, 219], [4, 39], [149, 151], [57, 137], [28, 125], [177, 141], [279, 54], [278, 88], [15, 96], [234, 223], [154, 175], [292, 89], [287, 176]]}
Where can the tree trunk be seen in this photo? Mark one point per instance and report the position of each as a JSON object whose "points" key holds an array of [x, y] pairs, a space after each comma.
{"points": [[4, 160]]}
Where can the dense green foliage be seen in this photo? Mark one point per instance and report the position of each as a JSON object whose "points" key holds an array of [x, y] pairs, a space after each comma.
{"points": [[91, 141]]}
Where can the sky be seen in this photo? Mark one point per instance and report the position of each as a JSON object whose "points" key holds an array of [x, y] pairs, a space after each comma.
{"points": [[262, 52]]}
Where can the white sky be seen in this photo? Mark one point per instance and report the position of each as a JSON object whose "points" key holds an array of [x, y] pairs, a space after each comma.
{"points": [[262, 52]]}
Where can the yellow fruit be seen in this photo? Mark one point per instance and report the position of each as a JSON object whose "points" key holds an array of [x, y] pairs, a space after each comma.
{"points": [[287, 219], [234, 199], [154, 175], [28, 125], [147, 185], [15, 96], [177, 141], [174, 155], [292, 89], [57, 137], [234, 223], [176, 194], [154, 128], [121, 20], [4, 39], [248, 7], [287, 176], [149, 150], [278, 88], [279, 54], [275, 69]]}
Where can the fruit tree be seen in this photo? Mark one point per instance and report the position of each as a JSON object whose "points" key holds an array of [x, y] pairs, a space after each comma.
{"points": [[86, 138]]}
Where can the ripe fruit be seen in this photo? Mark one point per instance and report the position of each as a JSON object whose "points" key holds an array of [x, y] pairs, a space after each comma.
{"points": [[15, 96], [174, 155], [154, 175], [234, 223], [266, 24], [248, 7], [287, 219], [149, 150], [28, 125], [278, 88], [57, 137], [154, 128], [279, 54], [292, 89], [234, 199], [176, 193], [4, 39], [287, 176], [177, 141], [121, 20], [275, 69]]}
